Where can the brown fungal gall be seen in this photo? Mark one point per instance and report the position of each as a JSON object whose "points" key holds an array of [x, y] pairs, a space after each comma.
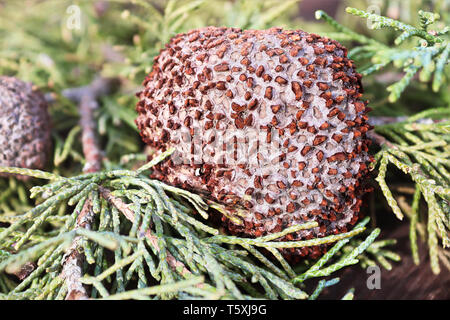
{"points": [[25, 129], [296, 88], [304, 61], [221, 67], [269, 93], [270, 124], [305, 150], [275, 108], [281, 80], [319, 139]]}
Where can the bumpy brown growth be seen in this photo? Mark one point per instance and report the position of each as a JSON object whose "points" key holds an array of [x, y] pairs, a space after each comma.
{"points": [[25, 137], [290, 90]]}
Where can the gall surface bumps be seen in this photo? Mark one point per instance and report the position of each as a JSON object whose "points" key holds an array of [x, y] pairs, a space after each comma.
{"points": [[25, 136], [268, 120]]}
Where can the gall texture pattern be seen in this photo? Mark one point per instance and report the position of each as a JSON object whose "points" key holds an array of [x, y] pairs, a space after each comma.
{"points": [[268, 120], [25, 137]]}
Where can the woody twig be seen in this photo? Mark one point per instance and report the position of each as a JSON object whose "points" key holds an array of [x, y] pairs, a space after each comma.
{"points": [[86, 97]]}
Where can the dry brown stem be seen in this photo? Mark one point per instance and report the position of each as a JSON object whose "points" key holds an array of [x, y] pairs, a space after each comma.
{"points": [[87, 99]]}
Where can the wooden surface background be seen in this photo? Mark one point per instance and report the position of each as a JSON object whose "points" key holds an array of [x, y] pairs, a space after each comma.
{"points": [[405, 280]]}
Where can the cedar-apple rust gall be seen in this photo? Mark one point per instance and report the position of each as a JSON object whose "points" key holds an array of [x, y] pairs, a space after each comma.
{"points": [[25, 128], [270, 121]]}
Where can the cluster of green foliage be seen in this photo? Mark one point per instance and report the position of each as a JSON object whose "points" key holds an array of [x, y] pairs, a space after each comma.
{"points": [[418, 148], [145, 241]]}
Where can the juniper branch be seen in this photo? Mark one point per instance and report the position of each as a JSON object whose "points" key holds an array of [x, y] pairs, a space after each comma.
{"points": [[87, 98]]}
